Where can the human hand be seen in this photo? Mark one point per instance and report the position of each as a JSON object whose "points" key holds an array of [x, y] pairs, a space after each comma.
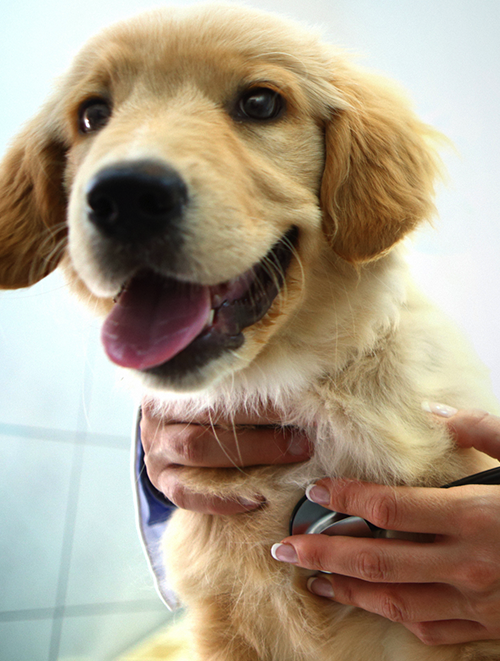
{"points": [[447, 591], [171, 445]]}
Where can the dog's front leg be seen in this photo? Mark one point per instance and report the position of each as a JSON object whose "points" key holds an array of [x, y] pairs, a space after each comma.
{"points": [[215, 638]]}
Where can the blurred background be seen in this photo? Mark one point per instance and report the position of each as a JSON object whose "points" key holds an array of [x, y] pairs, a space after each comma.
{"points": [[74, 583]]}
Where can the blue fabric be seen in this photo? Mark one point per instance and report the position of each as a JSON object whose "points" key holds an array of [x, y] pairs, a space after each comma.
{"points": [[157, 507], [153, 512]]}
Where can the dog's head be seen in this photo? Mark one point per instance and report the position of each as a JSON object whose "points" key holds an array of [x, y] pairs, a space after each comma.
{"points": [[190, 166]]}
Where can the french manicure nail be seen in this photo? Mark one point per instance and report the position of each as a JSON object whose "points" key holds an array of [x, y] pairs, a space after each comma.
{"points": [[284, 553], [443, 410], [318, 495]]}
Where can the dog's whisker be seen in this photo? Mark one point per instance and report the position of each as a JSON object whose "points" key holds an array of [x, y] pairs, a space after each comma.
{"points": [[237, 442], [214, 430]]}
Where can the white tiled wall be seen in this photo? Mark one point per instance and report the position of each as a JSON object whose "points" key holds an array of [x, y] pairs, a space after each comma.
{"points": [[74, 584]]}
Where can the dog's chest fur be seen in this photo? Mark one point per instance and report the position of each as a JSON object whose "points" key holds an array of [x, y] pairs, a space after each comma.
{"points": [[366, 422]]}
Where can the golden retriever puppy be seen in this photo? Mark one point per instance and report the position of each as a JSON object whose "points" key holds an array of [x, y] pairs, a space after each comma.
{"points": [[229, 192]]}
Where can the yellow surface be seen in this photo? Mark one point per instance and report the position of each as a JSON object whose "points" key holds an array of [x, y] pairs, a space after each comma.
{"points": [[168, 644]]}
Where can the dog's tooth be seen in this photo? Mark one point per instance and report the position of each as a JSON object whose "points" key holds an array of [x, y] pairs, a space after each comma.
{"points": [[217, 300], [210, 318]]}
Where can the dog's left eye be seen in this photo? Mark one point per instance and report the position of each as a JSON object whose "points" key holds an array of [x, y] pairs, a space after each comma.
{"points": [[93, 115], [261, 103]]}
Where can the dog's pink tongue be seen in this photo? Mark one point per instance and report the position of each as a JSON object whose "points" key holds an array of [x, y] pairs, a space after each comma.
{"points": [[153, 320]]}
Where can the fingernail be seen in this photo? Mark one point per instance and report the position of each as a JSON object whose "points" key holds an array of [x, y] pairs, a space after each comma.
{"points": [[321, 587], [298, 445], [252, 504], [284, 553], [318, 495], [443, 410]]}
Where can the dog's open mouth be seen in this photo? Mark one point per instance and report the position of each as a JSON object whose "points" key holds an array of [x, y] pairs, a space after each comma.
{"points": [[161, 325]]}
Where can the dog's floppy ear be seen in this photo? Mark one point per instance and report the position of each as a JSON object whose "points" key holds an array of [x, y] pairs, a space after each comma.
{"points": [[380, 168], [32, 204]]}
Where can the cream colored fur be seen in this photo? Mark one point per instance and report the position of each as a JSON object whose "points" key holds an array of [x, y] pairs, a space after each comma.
{"points": [[348, 350]]}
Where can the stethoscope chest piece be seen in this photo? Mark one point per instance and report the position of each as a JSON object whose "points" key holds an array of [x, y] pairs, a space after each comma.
{"points": [[310, 518]]}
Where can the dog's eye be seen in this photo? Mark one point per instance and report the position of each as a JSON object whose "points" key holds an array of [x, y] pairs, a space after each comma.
{"points": [[261, 103], [93, 115]]}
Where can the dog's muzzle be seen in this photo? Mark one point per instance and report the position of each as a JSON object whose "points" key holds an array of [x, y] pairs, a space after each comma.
{"points": [[162, 324]]}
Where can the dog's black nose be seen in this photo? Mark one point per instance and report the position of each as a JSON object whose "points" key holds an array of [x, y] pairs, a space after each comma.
{"points": [[137, 201]]}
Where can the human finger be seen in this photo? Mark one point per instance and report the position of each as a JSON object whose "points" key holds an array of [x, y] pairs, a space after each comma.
{"points": [[470, 427], [398, 602], [452, 632], [171, 485], [373, 560], [405, 509], [214, 447], [477, 429]]}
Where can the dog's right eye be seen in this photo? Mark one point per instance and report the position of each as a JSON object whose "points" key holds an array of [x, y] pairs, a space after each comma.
{"points": [[261, 104], [93, 115]]}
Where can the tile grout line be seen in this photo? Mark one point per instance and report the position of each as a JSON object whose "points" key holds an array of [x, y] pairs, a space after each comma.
{"points": [[62, 435], [85, 610], [67, 548], [71, 511]]}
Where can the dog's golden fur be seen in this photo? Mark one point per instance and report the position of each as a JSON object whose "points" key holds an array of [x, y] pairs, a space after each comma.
{"points": [[348, 350]]}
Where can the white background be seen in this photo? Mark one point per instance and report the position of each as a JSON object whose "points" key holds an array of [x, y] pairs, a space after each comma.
{"points": [[75, 582]]}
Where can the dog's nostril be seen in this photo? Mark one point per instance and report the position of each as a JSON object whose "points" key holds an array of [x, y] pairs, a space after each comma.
{"points": [[136, 201], [103, 207]]}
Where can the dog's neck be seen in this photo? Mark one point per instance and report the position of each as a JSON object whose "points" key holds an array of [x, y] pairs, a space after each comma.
{"points": [[363, 311]]}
